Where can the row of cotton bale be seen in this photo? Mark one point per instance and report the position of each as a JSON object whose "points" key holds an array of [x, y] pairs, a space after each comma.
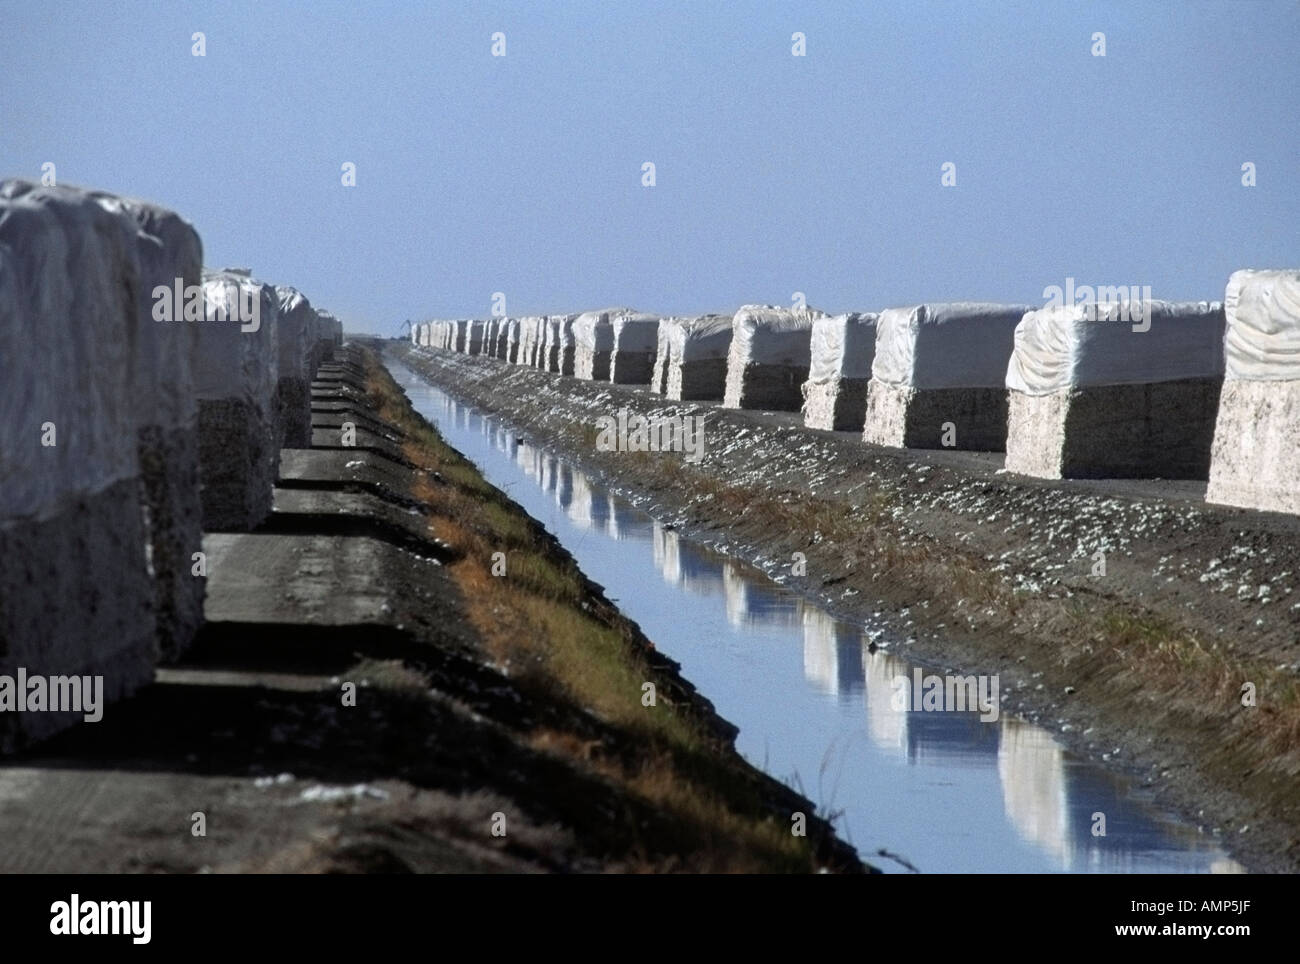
{"points": [[136, 410], [1123, 390]]}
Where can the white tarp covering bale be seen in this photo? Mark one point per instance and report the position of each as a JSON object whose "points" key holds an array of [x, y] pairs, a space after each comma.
{"points": [[550, 357], [489, 336], [1255, 460], [530, 333], [939, 376], [239, 441], [75, 591], [554, 339], [1090, 397], [659, 375], [523, 336], [295, 344], [318, 348], [512, 341], [632, 359], [171, 257], [537, 343], [547, 343], [567, 348], [698, 349], [769, 356], [835, 395], [593, 343]]}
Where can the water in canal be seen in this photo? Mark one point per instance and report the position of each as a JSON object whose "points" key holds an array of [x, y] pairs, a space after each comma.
{"points": [[942, 790]]}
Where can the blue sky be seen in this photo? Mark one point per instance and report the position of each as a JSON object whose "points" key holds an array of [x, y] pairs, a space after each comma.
{"points": [[775, 174]]}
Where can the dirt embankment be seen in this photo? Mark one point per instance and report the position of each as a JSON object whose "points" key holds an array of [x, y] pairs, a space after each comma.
{"points": [[1144, 662], [367, 695]]}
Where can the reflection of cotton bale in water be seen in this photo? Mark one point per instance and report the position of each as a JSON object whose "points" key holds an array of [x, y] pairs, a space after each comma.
{"points": [[941, 733], [580, 509], [546, 477], [526, 458], [564, 486], [886, 726], [600, 511], [683, 563], [617, 525], [1031, 766], [749, 603], [832, 652], [667, 553]]}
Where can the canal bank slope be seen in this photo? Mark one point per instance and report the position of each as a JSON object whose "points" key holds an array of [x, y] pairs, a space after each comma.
{"points": [[1140, 662], [401, 671]]}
